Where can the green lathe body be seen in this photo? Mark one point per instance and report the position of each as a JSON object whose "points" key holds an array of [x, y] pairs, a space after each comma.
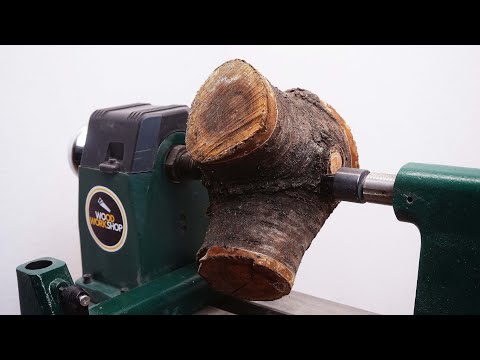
{"points": [[166, 225], [154, 271]]}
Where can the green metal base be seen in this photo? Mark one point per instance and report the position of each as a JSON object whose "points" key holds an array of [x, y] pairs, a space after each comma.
{"points": [[179, 292]]}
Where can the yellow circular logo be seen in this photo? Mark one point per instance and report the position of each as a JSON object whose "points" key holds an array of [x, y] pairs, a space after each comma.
{"points": [[106, 218]]}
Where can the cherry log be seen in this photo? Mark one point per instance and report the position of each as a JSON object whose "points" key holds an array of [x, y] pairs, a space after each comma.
{"points": [[262, 153]]}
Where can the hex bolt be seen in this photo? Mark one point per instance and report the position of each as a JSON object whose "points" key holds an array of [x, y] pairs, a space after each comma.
{"points": [[84, 300], [87, 278]]}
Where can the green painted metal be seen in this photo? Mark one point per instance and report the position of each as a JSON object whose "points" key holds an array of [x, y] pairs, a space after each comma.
{"points": [[166, 225], [155, 270], [444, 203], [38, 286], [179, 292], [98, 291]]}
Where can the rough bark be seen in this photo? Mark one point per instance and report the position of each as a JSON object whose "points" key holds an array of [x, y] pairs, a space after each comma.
{"points": [[262, 153]]}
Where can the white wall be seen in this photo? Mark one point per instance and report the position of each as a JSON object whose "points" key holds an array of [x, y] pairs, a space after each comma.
{"points": [[403, 103]]}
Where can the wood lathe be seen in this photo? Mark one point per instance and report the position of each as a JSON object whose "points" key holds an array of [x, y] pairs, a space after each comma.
{"points": [[210, 210]]}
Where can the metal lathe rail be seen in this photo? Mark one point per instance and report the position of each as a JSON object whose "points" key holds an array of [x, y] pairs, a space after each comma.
{"points": [[293, 304]]}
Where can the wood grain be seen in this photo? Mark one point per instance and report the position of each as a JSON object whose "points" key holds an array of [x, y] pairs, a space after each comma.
{"points": [[233, 113]]}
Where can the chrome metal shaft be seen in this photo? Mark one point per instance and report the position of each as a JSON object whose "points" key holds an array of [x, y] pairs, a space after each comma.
{"points": [[359, 185], [378, 188]]}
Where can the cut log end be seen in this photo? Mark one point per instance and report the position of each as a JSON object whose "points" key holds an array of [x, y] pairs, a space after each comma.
{"points": [[245, 274], [233, 113]]}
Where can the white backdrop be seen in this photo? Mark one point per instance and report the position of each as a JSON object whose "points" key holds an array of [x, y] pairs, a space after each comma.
{"points": [[403, 103]]}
